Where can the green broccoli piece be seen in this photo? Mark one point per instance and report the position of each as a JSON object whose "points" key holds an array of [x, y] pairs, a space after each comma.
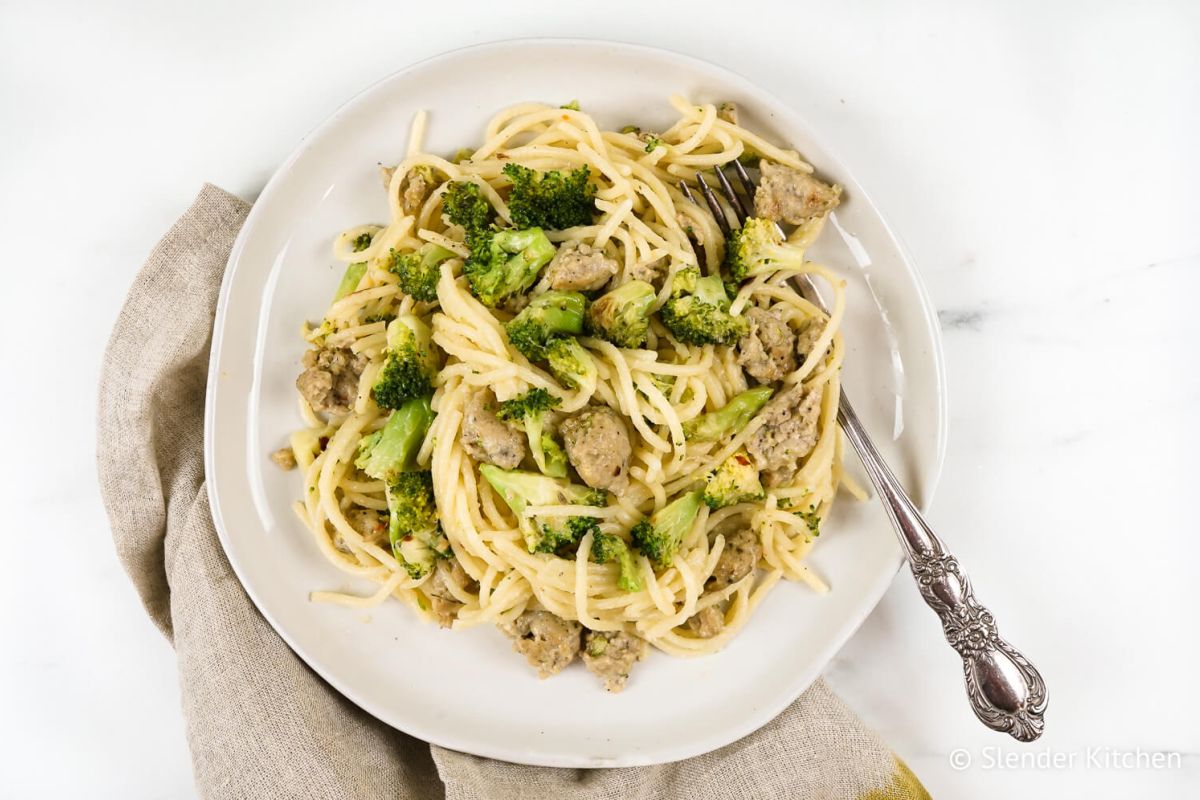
{"points": [[505, 262], [571, 106], [413, 528], [757, 247], [362, 241], [553, 453], [419, 272], [730, 418], [521, 489], [622, 316], [660, 536], [465, 205], [548, 316], [410, 363], [390, 455], [653, 143], [550, 200], [393, 448], [608, 547], [532, 403], [461, 155], [735, 481], [811, 520], [529, 410], [698, 311], [350, 279], [571, 363]]}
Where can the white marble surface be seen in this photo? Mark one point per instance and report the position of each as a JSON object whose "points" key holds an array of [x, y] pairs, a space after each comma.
{"points": [[1040, 159]]}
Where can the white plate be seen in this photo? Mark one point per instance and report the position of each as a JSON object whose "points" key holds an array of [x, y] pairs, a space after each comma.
{"points": [[469, 691]]}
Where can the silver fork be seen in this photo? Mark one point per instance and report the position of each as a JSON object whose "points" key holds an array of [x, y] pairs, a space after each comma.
{"points": [[1006, 692]]}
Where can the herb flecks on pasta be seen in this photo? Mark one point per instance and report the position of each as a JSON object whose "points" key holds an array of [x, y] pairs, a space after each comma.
{"points": [[550, 397]]}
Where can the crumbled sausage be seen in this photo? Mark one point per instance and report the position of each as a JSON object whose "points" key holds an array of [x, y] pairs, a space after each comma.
{"points": [[414, 191], [597, 443], [689, 227], [808, 337], [329, 381], [368, 523], [738, 559], [768, 351], [486, 438], [791, 195], [728, 111], [441, 597], [652, 272], [707, 622], [788, 434], [284, 458], [611, 655], [548, 642], [580, 268]]}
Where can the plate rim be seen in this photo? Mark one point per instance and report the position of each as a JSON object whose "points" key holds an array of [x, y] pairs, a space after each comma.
{"points": [[804, 678]]}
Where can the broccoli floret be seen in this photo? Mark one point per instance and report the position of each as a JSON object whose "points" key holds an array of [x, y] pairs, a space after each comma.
{"points": [[461, 154], [653, 143], [465, 205], [413, 528], [419, 272], [660, 536], [522, 489], [350, 279], [393, 448], [550, 200], [608, 547], [410, 363], [571, 106], [730, 418], [505, 262], [411, 505], [548, 316], [571, 363], [758, 246], [362, 241], [622, 316], [735, 481], [535, 402], [529, 411], [698, 311]]}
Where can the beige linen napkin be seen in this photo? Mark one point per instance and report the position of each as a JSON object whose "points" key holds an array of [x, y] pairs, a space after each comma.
{"points": [[260, 723]]}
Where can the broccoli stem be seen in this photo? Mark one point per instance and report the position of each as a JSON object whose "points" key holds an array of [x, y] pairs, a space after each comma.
{"points": [[622, 316], [350, 279], [731, 418], [394, 447]]}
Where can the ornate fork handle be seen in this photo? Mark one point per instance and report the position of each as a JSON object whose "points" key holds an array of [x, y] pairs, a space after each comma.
{"points": [[1006, 692]]}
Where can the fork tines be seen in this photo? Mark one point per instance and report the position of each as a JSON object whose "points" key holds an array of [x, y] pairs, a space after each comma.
{"points": [[742, 207]]}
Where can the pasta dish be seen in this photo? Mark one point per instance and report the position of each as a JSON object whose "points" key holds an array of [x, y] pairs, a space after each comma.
{"points": [[552, 395]]}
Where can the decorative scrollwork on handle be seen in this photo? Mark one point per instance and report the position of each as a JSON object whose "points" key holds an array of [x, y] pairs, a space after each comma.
{"points": [[1006, 692]]}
